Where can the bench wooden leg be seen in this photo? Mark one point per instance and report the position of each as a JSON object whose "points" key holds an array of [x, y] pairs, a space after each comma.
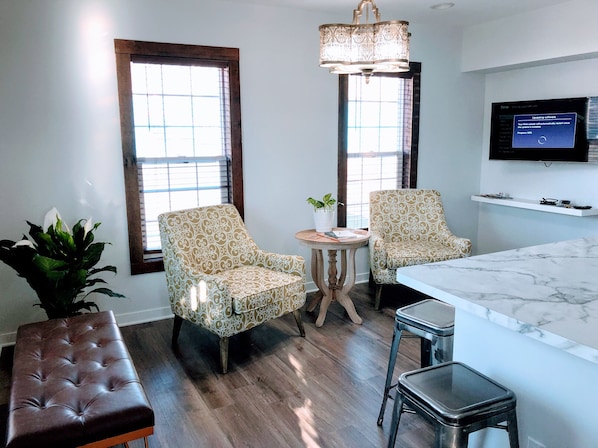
{"points": [[123, 438]]}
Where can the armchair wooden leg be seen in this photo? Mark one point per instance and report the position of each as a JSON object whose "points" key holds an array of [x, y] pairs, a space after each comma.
{"points": [[378, 296], [297, 315], [176, 329], [224, 354]]}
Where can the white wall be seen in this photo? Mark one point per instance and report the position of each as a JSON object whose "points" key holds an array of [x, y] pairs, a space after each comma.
{"points": [[60, 135], [558, 33], [546, 77]]}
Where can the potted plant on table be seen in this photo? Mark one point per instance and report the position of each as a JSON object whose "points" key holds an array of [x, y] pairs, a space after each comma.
{"points": [[59, 264], [324, 211]]}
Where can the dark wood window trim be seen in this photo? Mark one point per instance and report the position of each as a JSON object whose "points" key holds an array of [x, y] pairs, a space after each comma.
{"points": [[128, 50], [410, 159]]}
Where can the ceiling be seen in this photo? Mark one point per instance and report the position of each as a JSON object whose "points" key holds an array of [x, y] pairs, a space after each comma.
{"points": [[464, 13]]}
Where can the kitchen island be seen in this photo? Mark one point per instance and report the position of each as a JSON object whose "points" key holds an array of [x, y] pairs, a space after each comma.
{"points": [[529, 319]]}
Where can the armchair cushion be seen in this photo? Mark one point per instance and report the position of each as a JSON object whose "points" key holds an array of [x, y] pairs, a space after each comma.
{"points": [[409, 253], [253, 287]]}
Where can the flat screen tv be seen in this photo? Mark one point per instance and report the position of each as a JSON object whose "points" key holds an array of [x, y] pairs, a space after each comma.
{"points": [[545, 130]]}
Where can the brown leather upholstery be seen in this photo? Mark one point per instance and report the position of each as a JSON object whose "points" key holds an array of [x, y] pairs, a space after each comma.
{"points": [[74, 383]]}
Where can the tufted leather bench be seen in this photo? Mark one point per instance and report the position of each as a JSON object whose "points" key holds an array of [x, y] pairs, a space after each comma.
{"points": [[73, 384]]}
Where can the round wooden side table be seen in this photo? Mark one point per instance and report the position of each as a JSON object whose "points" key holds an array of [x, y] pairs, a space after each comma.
{"points": [[338, 286]]}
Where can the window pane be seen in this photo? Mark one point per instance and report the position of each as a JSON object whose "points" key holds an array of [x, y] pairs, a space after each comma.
{"points": [[179, 142], [150, 142], [141, 110], [369, 115], [207, 111], [209, 141], [155, 110], [390, 139], [178, 111], [153, 80], [205, 81], [176, 80], [389, 114]]}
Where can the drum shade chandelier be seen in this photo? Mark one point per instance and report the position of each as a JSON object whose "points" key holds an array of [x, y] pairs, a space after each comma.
{"points": [[365, 48]]}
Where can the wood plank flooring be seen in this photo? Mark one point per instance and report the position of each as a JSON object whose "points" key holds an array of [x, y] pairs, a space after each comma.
{"points": [[282, 390]]}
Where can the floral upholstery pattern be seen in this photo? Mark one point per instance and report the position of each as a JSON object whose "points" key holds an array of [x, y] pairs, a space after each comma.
{"points": [[219, 279], [408, 227]]}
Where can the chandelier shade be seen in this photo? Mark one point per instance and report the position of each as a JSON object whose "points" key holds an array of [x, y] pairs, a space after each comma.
{"points": [[365, 48]]}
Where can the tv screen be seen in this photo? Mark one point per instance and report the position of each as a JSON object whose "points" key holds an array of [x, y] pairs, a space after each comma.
{"points": [[547, 130]]}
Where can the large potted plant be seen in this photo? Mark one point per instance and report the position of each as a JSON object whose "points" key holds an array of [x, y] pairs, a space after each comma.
{"points": [[59, 264], [324, 212]]}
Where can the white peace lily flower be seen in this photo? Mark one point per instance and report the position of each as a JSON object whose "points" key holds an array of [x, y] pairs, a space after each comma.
{"points": [[24, 243], [88, 226], [51, 218]]}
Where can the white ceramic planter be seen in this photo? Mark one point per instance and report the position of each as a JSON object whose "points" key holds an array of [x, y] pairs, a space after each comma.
{"points": [[324, 219]]}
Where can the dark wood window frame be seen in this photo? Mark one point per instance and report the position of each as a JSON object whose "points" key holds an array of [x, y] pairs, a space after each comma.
{"points": [[410, 159], [127, 50]]}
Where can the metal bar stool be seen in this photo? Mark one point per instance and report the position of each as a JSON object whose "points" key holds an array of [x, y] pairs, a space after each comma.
{"points": [[431, 320], [457, 400]]}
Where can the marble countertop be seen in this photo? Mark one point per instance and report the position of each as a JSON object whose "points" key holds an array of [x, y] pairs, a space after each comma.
{"points": [[547, 292]]}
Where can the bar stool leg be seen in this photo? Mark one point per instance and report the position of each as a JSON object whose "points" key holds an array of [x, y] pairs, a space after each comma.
{"points": [[513, 430], [397, 410], [392, 360], [451, 437], [441, 350], [425, 353]]}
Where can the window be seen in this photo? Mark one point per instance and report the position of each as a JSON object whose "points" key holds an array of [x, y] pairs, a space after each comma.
{"points": [[181, 135], [378, 138]]}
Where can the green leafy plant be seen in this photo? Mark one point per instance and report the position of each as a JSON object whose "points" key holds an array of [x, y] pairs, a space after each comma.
{"points": [[59, 264], [327, 202]]}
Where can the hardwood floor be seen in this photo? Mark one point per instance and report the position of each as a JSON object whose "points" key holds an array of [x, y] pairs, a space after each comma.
{"points": [[282, 390]]}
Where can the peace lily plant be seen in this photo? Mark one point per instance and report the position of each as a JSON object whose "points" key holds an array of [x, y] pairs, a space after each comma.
{"points": [[59, 264]]}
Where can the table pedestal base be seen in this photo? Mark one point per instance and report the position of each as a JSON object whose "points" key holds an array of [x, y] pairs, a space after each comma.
{"points": [[336, 288]]}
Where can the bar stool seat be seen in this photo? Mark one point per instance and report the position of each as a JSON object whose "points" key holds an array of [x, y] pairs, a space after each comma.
{"points": [[431, 320], [457, 400]]}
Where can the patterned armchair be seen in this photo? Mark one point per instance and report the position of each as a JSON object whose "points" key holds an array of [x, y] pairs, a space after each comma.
{"points": [[219, 279], [407, 227]]}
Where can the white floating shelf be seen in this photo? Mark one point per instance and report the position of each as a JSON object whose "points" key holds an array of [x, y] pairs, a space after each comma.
{"points": [[535, 205]]}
